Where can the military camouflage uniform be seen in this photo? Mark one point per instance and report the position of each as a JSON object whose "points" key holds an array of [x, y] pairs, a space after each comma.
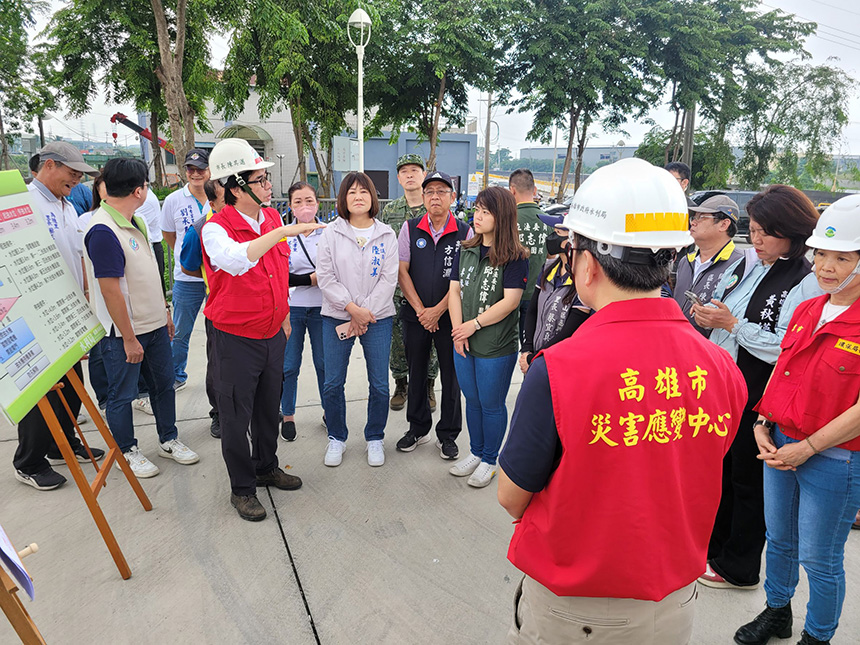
{"points": [[395, 214]]}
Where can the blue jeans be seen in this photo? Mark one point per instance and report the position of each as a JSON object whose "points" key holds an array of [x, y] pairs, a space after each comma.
{"points": [[376, 343], [302, 318], [485, 383], [187, 300], [98, 375], [157, 371], [808, 513]]}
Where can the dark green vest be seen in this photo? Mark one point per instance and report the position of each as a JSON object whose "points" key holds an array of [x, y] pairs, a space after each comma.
{"points": [[481, 286], [533, 234]]}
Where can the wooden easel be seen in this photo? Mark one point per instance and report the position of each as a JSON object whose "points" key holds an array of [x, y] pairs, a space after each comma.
{"points": [[14, 609], [90, 491]]}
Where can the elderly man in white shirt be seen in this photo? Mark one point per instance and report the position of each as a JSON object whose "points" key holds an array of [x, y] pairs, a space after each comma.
{"points": [[61, 167]]}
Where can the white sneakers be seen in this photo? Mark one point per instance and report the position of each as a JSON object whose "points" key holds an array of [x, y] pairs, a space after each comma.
{"points": [[178, 452], [481, 472], [482, 476], [140, 465], [334, 452], [143, 405], [375, 453], [465, 467], [173, 449]]}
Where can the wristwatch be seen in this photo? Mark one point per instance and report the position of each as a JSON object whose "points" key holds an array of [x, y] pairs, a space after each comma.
{"points": [[764, 422]]}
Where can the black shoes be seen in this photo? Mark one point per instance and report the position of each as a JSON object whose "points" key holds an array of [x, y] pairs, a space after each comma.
{"points": [[215, 426], [279, 479], [806, 639], [288, 430], [448, 449], [48, 479], [410, 442], [80, 454], [248, 507], [770, 622]]}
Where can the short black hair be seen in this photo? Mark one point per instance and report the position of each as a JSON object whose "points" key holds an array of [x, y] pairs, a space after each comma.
{"points": [[34, 163], [628, 276], [732, 230], [123, 176], [785, 212], [230, 184], [679, 167], [522, 180]]}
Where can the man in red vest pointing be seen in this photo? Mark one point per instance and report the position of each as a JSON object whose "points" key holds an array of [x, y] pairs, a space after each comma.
{"points": [[247, 263], [613, 461]]}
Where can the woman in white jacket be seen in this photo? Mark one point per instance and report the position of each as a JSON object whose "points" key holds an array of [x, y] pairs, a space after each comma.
{"points": [[357, 266]]}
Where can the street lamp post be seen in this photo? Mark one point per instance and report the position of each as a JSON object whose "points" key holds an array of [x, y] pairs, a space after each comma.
{"points": [[281, 164], [359, 22]]}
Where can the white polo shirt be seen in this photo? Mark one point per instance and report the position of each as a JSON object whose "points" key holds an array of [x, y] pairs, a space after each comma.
{"points": [[178, 214], [150, 213], [65, 228]]}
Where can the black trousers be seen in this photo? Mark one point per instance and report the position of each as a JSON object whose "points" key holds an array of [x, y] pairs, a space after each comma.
{"points": [[158, 251], [417, 341], [34, 437], [210, 388], [738, 537], [247, 379]]}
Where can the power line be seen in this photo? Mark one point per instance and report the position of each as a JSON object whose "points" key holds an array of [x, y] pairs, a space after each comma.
{"points": [[847, 40], [820, 24], [833, 6], [836, 42]]}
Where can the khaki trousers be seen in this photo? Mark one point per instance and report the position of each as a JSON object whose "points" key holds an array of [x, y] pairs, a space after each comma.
{"points": [[541, 617]]}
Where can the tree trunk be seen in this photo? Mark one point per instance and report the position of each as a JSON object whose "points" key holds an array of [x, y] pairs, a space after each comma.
{"points": [[322, 171], [580, 148], [169, 73], [689, 136], [565, 170], [434, 132], [4, 146], [157, 159], [298, 135], [676, 137], [671, 143], [41, 130]]}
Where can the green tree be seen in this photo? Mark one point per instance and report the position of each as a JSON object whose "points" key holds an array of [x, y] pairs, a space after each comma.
{"points": [[792, 110], [16, 16], [112, 46], [575, 62], [302, 60], [422, 58]]}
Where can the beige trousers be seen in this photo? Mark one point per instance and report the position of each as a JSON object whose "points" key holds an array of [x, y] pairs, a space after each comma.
{"points": [[541, 617]]}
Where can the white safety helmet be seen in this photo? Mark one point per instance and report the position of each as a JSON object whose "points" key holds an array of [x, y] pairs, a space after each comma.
{"points": [[838, 228], [631, 204], [230, 157]]}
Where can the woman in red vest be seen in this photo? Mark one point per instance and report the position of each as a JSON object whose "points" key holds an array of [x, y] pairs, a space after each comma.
{"points": [[246, 260], [808, 435]]}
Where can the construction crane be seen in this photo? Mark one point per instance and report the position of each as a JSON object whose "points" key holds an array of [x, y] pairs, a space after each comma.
{"points": [[119, 117]]}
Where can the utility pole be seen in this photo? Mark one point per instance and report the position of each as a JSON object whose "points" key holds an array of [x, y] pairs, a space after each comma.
{"points": [[487, 140], [554, 158]]}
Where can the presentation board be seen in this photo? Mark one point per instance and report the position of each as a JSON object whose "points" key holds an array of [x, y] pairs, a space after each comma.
{"points": [[46, 324]]}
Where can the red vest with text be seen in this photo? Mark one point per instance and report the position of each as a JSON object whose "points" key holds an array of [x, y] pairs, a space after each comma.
{"points": [[645, 408], [817, 376], [254, 304]]}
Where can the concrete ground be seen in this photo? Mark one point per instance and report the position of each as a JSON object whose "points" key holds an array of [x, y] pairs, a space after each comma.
{"points": [[405, 553]]}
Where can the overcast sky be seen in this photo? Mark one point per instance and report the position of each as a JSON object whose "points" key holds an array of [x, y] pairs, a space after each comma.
{"points": [[833, 39]]}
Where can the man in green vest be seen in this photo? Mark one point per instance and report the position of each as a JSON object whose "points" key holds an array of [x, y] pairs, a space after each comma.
{"points": [[533, 233], [410, 174]]}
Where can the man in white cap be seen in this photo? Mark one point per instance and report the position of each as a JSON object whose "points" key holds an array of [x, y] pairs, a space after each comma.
{"points": [[60, 168]]}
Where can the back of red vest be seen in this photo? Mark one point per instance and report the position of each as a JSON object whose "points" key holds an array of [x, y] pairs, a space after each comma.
{"points": [[646, 410]]}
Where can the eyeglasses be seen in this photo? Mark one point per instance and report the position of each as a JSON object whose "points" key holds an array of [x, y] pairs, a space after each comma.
{"points": [[194, 170], [698, 217], [263, 181], [440, 193], [570, 250]]}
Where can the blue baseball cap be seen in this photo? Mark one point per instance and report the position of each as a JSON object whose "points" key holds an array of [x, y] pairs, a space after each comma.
{"points": [[552, 221]]}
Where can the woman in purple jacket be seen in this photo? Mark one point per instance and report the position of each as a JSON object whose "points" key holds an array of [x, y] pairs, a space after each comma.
{"points": [[357, 264]]}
